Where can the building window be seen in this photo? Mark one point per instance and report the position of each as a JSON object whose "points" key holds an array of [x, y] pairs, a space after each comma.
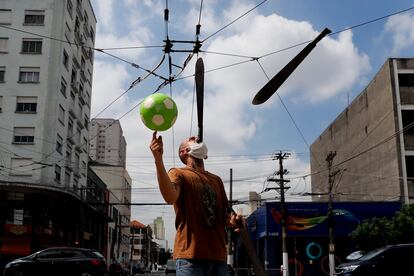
{"points": [[85, 18], [85, 144], [69, 7], [29, 74], [23, 135], [84, 168], [406, 80], [63, 85], [32, 17], [61, 115], [2, 73], [58, 171], [77, 25], [21, 166], [73, 77], [67, 178], [68, 32], [4, 45], [92, 35], [75, 182], [86, 121], [32, 46], [26, 104], [1, 104], [70, 127], [5, 17], [65, 59], [59, 143]]}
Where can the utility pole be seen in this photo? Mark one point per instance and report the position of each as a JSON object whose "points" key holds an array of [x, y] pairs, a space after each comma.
{"points": [[285, 258], [131, 273], [230, 259], [331, 175]]}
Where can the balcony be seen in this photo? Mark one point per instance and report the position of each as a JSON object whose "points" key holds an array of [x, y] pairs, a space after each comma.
{"points": [[76, 170], [82, 74], [76, 62], [79, 12], [75, 86], [82, 98], [68, 163]]}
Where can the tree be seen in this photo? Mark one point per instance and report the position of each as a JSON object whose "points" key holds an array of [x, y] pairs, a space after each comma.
{"points": [[377, 232], [404, 224]]}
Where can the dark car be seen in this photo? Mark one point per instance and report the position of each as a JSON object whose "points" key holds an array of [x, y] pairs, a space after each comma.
{"points": [[59, 261], [389, 260]]}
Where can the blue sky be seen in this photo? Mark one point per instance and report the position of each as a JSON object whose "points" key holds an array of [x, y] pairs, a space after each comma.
{"points": [[239, 135]]}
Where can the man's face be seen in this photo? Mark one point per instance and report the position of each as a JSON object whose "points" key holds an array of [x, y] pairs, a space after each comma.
{"points": [[185, 148]]}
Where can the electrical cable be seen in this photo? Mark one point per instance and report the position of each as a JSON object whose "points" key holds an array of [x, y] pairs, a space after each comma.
{"points": [[233, 21]]}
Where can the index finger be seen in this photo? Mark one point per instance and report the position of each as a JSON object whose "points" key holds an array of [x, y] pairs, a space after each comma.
{"points": [[154, 136]]}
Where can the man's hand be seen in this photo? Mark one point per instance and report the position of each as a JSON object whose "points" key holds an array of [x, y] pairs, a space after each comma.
{"points": [[237, 222], [157, 147]]}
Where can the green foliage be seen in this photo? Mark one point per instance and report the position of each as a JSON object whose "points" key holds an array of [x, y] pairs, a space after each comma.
{"points": [[376, 232]]}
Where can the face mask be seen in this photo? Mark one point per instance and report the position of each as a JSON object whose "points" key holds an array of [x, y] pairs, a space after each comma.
{"points": [[198, 150]]}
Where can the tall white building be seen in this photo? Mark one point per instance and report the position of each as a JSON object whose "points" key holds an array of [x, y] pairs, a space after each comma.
{"points": [[107, 143], [45, 91], [46, 66], [119, 184], [108, 152], [158, 228]]}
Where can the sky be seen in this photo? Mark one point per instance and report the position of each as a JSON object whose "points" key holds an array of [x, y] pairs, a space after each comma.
{"points": [[240, 136]]}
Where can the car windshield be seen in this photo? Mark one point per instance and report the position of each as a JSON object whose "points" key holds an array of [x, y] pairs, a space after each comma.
{"points": [[372, 254]]}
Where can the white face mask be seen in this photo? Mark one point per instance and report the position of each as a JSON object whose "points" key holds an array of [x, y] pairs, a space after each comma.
{"points": [[198, 150]]}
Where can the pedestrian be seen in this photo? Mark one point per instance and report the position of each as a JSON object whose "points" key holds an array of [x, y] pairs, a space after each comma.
{"points": [[201, 209]]}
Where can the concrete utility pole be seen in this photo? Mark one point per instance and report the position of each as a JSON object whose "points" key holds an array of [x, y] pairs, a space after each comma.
{"points": [[285, 258], [230, 259], [132, 251], [329, 159]]}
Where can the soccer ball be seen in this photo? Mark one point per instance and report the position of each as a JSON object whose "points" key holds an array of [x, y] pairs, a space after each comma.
{"points": [[158, 112]]}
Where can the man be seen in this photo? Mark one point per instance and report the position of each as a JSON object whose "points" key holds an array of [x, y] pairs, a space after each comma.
{"points": [[201, 208]]}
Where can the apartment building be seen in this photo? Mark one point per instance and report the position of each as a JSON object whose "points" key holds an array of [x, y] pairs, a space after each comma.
{"points": [[373, 142], [46, 66], [107, 143]]}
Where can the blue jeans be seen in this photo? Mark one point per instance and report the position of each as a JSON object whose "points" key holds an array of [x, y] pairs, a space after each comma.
{"points": [[190, 267]]}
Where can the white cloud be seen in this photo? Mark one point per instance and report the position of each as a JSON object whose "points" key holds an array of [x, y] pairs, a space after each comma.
{"points": [[231, 122], [104, 11], [108, 83], [402, 29], [321, 76]]}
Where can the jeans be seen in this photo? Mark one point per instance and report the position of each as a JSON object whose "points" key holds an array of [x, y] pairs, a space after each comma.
{"points": [[190, 267]]}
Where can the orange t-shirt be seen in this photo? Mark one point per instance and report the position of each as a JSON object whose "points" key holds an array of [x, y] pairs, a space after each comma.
{"points": [[201, 215]]}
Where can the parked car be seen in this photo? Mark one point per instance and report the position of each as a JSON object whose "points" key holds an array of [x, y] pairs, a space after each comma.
{"points": [[170, 268], [117, 269], [66, 261], [390, 260]]}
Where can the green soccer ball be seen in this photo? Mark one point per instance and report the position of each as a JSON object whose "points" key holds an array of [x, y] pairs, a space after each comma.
{"points": [[158, 112]]}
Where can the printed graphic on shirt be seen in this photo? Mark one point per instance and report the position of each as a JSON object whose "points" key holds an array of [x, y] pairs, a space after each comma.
{"points": [[209, 201]]}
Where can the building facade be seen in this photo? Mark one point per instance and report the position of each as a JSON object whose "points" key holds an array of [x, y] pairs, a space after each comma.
{"points": [[46, 66], [107, 143], [373, 139], [158, 228], [108, 152], [141, 237], [118, 183]]}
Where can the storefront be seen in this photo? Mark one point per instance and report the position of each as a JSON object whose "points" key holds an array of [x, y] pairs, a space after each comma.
{"points": [[307, 232]]}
